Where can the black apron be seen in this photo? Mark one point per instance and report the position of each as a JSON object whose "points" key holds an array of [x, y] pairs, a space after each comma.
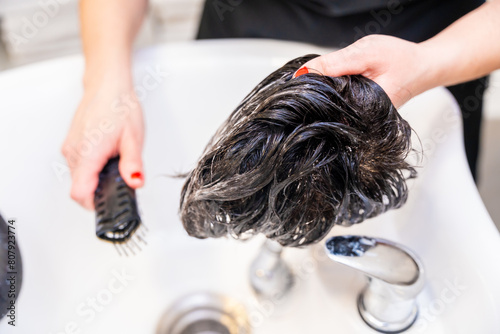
{"points": [[333, 23]]}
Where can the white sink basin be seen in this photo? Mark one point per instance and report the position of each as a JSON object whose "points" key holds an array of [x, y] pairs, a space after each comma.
{"points": [[73, 281]]}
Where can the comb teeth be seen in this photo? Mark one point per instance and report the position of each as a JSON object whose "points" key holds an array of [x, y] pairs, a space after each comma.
{"points": [[117, 217], [133, 243]]}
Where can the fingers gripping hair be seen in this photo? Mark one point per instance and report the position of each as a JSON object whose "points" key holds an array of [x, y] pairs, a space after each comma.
{"points": [[298, 156]]}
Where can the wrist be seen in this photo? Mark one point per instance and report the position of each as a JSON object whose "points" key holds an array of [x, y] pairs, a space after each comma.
{"points": [[431, 70], [107, 73], [442, 61]]}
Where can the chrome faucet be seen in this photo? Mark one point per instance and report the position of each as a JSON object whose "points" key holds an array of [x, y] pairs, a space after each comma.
{"points": [[270, 276], [395, 278]]}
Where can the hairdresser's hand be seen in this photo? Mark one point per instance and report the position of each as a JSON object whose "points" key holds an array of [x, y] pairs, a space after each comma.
{"points": [[107, 122], [398, 66]]}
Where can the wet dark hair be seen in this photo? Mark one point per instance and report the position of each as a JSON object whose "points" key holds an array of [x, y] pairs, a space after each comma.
{"points": [[298, 156]]}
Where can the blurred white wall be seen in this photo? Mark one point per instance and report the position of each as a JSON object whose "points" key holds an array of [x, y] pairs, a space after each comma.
{"points": [[175, 20], [492, 107], [33, 30]]}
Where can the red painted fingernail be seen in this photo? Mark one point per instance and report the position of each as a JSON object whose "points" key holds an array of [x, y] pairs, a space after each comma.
{"points": [[303, 70], [136, 175]]}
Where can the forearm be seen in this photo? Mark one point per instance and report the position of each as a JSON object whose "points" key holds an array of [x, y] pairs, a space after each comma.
{"points": [[108, 31], [466, 50]]}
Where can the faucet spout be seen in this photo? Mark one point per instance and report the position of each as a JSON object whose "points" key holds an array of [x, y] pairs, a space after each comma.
{"points": [[395, 278]]}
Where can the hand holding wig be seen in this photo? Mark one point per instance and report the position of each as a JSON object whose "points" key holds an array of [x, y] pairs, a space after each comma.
{"points": [[298, 156]]}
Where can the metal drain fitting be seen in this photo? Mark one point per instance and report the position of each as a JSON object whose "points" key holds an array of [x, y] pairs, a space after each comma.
{"points": [[205, 313]]}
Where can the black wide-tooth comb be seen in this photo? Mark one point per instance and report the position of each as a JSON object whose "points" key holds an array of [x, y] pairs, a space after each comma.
{"points": [[117, 218]]}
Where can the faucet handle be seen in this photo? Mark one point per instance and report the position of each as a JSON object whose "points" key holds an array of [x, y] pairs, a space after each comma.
{"points": [[395, 278]]}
